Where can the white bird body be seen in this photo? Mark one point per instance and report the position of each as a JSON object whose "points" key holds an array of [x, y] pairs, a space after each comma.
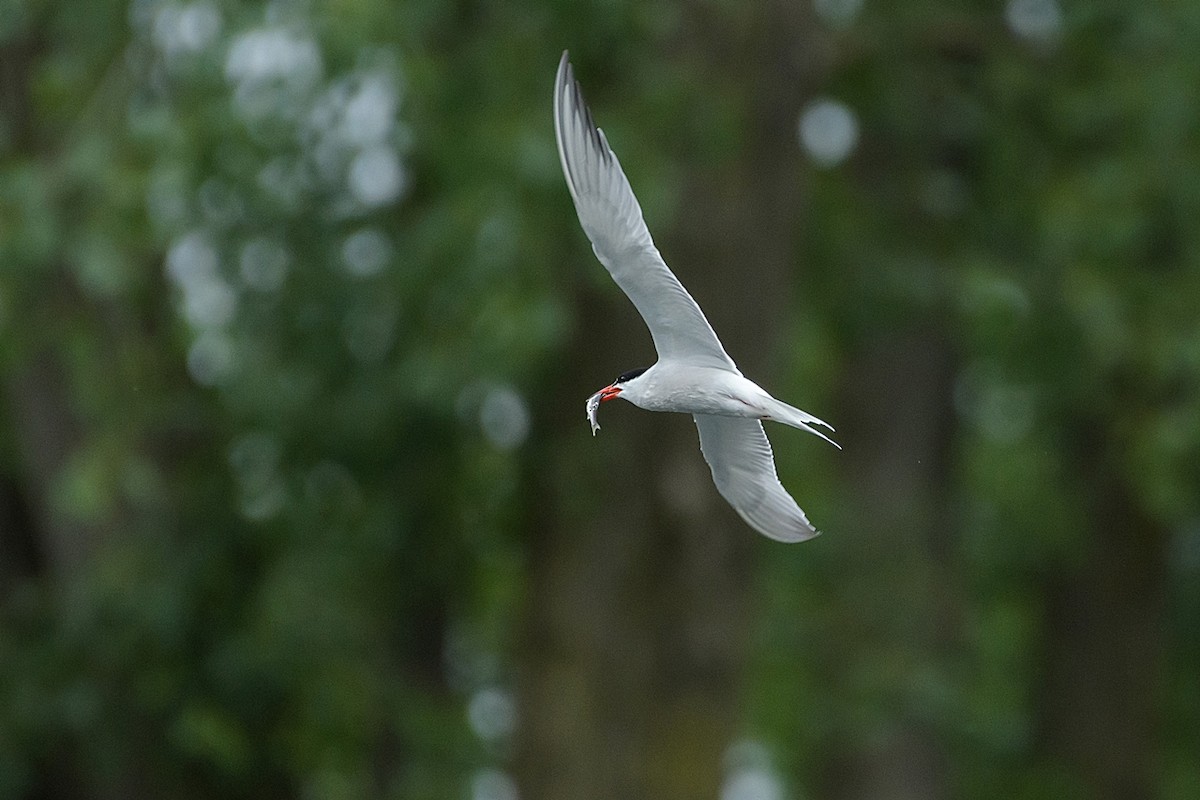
{"points": [[693, 374], [672, 386]]}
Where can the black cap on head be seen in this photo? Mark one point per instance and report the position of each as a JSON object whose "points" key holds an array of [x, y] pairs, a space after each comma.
{"points": [[625, 377]]}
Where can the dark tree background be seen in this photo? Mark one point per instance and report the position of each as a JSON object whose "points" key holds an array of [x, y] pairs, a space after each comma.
{"points": [[296, 323]]}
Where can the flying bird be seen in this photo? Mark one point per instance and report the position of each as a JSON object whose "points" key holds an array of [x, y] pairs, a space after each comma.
{"points": [[693, 374]]}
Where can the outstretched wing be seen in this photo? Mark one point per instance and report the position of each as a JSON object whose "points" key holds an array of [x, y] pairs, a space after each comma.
{"points": [[743, 468], [612, 219]]}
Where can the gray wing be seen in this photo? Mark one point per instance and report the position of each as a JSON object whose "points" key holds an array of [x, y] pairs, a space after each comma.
{"points": [[612, 219], [743, 468]]}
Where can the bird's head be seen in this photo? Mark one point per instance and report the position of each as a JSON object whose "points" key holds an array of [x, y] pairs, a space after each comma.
{"points": [[615, 388], [608, 393]]}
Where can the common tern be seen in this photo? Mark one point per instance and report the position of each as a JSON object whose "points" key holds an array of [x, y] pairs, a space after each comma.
{"points": [[693, 374]]}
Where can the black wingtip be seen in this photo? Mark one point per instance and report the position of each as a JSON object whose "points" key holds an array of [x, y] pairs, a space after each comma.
{"points": [[569, 90], [584, 110]]}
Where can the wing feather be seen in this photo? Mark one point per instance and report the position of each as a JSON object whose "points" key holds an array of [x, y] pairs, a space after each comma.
{"points": [[743, 468], [612, 219]]}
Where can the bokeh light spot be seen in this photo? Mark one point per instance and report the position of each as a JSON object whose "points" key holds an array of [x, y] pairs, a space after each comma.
{"points": [[752, 784], [366, 252], [504, 418], [492, 714], [492, 784], [376, 176], [837, 14], [263, 264], [1038, 21], [208, 300], [270, 69], [209, 304], [828, 131], [370, 112], [186, 29], [210, 358]]}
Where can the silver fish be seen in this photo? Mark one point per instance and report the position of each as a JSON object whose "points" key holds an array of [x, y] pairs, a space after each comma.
{"points": [[593, 405]]}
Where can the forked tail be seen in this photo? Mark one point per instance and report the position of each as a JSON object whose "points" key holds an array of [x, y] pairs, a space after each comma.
{"points": [[790, 415]]}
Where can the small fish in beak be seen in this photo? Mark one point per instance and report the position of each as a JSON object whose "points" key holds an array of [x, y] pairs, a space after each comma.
{"points": [[593, 405]]}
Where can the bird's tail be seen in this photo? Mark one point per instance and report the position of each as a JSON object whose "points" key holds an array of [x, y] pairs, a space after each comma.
{"points": [[790, 415]]}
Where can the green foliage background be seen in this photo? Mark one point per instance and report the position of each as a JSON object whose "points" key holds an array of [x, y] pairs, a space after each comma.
{"points": [[270, 425]]}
